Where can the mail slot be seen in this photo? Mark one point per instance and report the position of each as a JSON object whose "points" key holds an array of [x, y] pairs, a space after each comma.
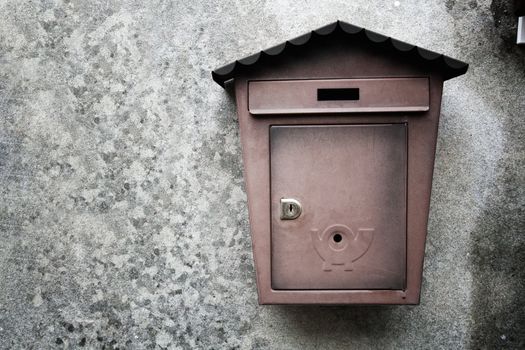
{"points": [[338, 96], [338, 131]]}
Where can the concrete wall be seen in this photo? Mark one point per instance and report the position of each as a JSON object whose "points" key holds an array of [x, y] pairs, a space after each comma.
{"points": [[123, 219]]}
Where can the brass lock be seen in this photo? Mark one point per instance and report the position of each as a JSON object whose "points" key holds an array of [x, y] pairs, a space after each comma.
{"points": [[290, 209]]}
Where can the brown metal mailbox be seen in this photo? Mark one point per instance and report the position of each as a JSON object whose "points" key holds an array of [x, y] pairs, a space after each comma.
{"points": [[338, 129]]}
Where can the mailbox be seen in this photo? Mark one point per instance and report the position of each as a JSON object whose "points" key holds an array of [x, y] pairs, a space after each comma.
{"points": [[338, 131]]}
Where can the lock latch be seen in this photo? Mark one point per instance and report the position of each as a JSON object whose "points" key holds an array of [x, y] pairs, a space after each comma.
{"points": [[290, 209]]}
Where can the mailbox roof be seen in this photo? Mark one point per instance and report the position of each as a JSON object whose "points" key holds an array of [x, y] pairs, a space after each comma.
{"points": [[448, 66]]}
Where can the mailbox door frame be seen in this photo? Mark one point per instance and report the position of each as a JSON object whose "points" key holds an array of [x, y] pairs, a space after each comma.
{"points": [[422, 128], [353, 177]]}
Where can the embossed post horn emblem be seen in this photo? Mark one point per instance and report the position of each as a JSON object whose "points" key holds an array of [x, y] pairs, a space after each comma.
{"points": [[339, 246]]}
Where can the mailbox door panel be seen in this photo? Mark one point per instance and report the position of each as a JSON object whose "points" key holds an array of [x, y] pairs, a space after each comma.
{"points": [[349, 184]]}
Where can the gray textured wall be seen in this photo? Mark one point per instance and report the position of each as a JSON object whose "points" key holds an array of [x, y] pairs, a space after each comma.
{"points": [[123, 219]]}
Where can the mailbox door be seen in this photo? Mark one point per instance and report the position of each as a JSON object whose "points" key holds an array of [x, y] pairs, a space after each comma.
{"points": [[349, 183]]}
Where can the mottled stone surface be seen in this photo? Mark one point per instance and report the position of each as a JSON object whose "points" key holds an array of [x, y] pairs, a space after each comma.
{"points": [[123, 219]]}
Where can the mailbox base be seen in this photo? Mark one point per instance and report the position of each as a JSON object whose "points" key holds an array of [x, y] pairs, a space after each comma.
{"points": [[339, 297]]}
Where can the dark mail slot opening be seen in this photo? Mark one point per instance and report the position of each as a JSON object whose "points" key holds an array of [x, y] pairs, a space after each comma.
{"points": [[348, 94]]}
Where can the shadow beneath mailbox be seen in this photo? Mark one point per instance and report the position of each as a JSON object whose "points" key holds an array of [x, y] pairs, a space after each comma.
{"points": [[339, 322]]}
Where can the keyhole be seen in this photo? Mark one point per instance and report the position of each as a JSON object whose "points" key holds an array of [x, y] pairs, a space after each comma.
{"points": [[290, 209]]}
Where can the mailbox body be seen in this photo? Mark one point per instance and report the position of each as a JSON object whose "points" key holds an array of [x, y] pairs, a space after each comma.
{"points": [[344, 133], [383, 183]]}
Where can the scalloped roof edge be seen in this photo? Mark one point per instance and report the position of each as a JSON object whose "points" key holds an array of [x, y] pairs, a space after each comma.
{"points": [[449, 66]]}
